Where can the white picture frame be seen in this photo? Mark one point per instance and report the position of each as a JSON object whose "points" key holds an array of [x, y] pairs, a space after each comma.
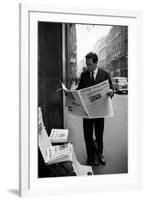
{"points": [[29, 184]]}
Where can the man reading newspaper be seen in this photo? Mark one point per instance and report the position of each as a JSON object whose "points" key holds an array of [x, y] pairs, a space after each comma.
{"points": [[92, 76]]}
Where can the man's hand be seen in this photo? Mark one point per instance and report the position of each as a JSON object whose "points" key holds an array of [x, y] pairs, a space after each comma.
{"points": [[110, 93]]}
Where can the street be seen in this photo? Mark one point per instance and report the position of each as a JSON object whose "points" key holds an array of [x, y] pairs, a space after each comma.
{"points": [[115, 138]]}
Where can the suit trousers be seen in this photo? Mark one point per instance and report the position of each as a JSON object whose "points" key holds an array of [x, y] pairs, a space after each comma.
{"points": [[93, 127]]}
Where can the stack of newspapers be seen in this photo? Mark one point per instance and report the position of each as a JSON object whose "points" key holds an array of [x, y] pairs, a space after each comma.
{"points": [[53, 154], [58, 136], [60, 150], [59, 153]]}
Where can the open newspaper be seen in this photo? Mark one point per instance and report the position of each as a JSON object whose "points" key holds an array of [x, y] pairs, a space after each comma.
{"points": [[59, 153], [91, 102], [44, 140]]}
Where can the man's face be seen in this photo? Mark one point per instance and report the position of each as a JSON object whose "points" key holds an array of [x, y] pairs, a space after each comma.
{"points": [[91, 66]]}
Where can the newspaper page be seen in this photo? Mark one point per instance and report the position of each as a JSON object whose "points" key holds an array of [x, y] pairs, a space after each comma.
{"points": [[81, 170], [96, 101], [91, 102], [75, 104], [59, 153], [44, 140], [58, 135]]}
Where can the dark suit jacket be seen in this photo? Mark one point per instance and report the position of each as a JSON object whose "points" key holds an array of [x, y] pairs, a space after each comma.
{"points": [[101, 76]]}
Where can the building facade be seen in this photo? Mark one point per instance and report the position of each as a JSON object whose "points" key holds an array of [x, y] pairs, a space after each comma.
{"points": [[113, 51], [71, 54]]}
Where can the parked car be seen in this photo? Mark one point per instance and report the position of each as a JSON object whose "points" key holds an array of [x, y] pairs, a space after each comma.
{"points": [[120, 84]]}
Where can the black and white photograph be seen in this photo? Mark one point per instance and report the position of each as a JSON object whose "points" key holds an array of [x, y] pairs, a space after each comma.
{"points": [[74, 62], [80, 117]]}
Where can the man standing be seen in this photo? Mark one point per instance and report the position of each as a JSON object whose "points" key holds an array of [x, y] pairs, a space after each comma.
{"points": [[94, 75]]}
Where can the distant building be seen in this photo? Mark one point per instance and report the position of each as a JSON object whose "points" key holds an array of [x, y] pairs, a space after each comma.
{"points": [[102, 53], [113, 51]]}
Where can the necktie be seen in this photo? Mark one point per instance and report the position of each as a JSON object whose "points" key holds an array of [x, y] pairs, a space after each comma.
{"points": [[92, 76]]}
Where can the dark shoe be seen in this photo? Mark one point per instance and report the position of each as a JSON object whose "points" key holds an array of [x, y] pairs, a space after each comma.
{"points": [[101, 159], [96, 162], [90, 162]]}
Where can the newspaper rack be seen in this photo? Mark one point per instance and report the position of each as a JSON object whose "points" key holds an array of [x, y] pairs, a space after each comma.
{"points": [[70, 167]]}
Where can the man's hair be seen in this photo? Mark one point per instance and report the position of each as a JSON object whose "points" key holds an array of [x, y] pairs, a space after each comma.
{"points": [[92, 56]]}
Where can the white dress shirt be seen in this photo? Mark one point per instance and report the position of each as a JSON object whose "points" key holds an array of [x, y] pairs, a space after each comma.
{"points": [[94, 73]]}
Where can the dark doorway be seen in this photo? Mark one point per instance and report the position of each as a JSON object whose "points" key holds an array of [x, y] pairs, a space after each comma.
{"points": [[49, 77], [50, 74]]}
